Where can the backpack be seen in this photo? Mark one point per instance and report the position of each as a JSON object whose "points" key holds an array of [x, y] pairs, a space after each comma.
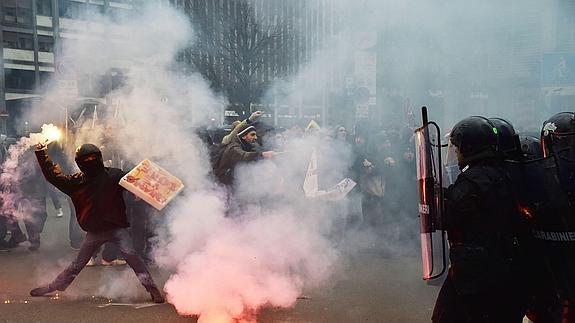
{"points": [[216, 152], [223, 176]]}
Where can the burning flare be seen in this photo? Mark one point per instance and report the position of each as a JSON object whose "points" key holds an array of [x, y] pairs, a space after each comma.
{"points": [[50, 133]]}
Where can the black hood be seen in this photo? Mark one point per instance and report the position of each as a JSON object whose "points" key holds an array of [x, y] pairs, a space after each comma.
{"points": [[89, 159]]}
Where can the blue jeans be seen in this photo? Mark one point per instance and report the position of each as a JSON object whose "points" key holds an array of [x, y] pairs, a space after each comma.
{"points": [[92, 242]]}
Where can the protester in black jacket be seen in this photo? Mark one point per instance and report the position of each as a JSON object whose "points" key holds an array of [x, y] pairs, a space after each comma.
{"points": [[101, 212]]}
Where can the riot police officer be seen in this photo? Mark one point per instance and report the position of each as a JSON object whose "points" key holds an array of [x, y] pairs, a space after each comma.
{"points": [[554, 208], [485, 278]]}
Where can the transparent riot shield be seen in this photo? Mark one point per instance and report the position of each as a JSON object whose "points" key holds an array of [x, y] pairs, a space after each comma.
{"points": [[429, 175]]}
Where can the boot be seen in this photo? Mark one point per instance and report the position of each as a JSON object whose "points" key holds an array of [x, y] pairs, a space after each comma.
{"points": [[43, 290], [34, 239], [156, 295]]}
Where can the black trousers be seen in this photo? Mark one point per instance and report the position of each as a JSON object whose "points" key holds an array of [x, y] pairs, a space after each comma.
{"points": [[506, 304], [92, 242]]}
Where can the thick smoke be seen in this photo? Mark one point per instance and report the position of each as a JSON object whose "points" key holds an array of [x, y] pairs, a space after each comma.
{"points": [[266, 252], [228, 258], [18, 171], [457, 58]]}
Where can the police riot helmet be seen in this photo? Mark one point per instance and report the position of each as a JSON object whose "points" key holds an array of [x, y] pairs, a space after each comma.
{"points": [[509, 146], [89, 159], [476, 138], [531, 147], [558, 135]]}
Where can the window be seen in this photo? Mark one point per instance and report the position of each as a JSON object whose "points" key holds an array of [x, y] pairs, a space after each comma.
{"points": [[18, 40], [24, 16], [45, 43], [45, 77], [10, 39], [71, 9], [9, 10], [19, 79], [17, 12], [25, 41], [44, 7]]}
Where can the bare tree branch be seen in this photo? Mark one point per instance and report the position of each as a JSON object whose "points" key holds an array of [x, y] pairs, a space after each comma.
{"points": [[237, 52]]}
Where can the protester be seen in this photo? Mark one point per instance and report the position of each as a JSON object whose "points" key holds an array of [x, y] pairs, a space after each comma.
{"points": [[101, 212], [240, 149]]}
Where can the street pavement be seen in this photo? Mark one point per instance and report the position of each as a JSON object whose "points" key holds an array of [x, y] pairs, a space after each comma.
{"points": [[371, 286]]}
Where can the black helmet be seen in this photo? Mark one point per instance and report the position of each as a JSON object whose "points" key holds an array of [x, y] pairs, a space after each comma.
{"points": [[558, 134], [476, 138], [89, 159], [508, 145], [531, 147]]}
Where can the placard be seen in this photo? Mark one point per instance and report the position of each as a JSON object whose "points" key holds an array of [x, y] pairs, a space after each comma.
{"points": [[152, 184]]}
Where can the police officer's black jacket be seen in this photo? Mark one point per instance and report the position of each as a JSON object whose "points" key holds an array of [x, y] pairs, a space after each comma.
{"points": [[482, 225], [98, 200]]}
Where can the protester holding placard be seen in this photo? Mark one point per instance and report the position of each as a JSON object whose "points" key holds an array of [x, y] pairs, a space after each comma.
{"points": [[101, 212]]}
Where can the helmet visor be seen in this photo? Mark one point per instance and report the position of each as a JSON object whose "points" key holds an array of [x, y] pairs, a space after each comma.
{"points": [[452, 163]]}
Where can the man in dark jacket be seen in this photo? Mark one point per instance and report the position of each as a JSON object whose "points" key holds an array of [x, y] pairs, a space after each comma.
{"points": [[240, 149], [101, 212]]}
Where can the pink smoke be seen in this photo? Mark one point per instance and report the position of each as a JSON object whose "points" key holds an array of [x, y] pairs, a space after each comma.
{"points": [[248, 264]]}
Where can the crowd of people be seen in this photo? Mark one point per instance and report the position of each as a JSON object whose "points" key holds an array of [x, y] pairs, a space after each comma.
{"points": [[381, 162], [494, 222]]}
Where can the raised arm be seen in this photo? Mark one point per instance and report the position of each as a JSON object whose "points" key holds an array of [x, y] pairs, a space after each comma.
{"points": [[53, 173], [253, 118]]}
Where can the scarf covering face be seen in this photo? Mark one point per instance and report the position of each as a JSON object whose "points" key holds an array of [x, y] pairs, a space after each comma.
{"points": [[91, 165]]}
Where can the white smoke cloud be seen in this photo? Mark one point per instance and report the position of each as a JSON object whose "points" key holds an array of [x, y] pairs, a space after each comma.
{"points": [[277, 244], [269, 250], [20, 175]]}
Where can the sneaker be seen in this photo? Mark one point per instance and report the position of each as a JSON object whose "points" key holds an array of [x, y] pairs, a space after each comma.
{"points": [[59, 213], [157, 296], [115, 262], [93, 262], [42, 290]]}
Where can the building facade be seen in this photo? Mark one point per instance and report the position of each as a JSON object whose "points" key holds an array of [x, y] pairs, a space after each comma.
{"points": [[32, 32]]}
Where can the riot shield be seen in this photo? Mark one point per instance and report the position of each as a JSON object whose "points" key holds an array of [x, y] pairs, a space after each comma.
{"points": [[429, 176], [544, 202]]}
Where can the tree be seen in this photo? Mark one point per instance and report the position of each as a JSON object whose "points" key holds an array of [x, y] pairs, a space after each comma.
{"points": [[241, 47]]}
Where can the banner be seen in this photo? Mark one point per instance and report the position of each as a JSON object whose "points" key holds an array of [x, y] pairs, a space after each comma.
{"points": [[311, 186]]}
